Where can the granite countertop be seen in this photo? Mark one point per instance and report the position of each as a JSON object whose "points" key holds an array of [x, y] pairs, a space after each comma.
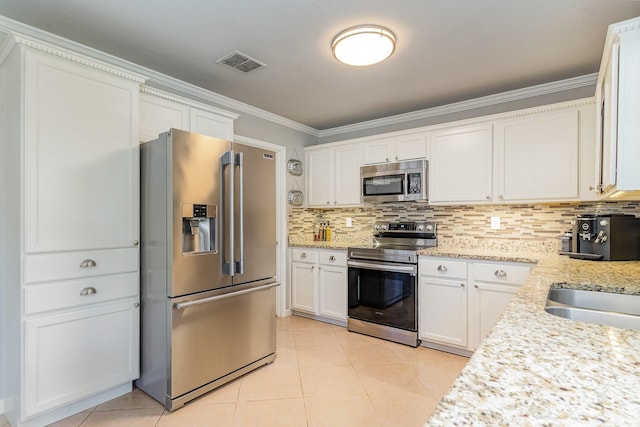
{"points": [[537, 369]]}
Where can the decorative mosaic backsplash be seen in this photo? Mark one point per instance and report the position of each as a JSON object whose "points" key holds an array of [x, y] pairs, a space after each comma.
{"points": [[534, 226]]}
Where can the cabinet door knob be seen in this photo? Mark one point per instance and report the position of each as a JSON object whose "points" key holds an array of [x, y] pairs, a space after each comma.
{"points": [[462, 285], [501, 197], [136, 243], [488, 197], [332, 258], [88, 263], [476, 286], [88, 291], [136, 304], [500, 273], [442, 268]]}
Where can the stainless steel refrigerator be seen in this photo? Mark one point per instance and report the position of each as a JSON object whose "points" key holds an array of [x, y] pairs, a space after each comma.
{"points": [[208, 264]]}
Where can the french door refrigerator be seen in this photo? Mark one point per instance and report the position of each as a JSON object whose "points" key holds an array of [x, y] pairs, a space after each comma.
{"points": [[208, 264]]}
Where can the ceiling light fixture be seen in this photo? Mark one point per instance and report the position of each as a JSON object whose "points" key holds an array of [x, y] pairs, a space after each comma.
{"points": [[363, 45]]}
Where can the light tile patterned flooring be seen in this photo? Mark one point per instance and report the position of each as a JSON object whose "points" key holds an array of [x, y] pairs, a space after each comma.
{"points": [[323, 376]]}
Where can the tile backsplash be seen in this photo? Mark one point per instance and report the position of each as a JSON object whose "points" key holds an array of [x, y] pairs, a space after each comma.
{"points": [[534, 226]]}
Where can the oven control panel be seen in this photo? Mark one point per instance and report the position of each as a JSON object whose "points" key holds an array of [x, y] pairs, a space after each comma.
{"points": [[405, 227]]}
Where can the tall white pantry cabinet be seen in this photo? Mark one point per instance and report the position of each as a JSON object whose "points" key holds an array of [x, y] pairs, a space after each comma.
{"points": [[69, 223]]}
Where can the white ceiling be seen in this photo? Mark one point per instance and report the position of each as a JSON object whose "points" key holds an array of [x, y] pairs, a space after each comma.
{"points": [[448, 50]]}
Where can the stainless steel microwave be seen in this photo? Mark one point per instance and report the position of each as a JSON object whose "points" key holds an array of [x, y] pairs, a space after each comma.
{"points": [[395, 182]]}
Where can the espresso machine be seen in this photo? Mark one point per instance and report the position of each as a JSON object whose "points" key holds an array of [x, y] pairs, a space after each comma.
{"points": [[606, 237]]}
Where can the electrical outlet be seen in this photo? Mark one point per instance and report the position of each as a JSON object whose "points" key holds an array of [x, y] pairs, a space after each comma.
{"points": [[349, 222], [495, 222]]}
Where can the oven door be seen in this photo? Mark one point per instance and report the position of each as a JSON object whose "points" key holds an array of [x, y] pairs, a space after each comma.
{"points": [[383, 293]]}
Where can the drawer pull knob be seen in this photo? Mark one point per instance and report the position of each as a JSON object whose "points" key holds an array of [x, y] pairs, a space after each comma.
{"points": [[303, 255], [88, 291], [332, 258], [500, 273], [462, 285], [476, 286], [88, 263], [136, 304], [442, 268], [136, 243]]}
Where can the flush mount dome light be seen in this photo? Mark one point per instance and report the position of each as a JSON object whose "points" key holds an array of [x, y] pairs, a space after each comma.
{"points": [[363, 45]]}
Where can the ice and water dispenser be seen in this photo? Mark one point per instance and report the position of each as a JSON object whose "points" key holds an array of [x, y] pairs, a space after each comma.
{"points": [[198, 228]]}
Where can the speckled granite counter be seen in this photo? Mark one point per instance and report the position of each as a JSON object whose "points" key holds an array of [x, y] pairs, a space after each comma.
{"points": [[320, 245], [535, 369]]}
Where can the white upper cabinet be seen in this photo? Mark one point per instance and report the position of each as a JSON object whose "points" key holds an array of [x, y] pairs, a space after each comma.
{"points": [[81, 156], [320, 177], [618, 127], [158, 115], [333, 175], [348, 159], [541, 154], [460, 164], [210, 123], [395, 149], [161, 111], [536, 157]]}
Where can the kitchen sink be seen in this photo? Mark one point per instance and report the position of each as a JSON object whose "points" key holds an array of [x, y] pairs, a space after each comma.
{"points": [[604, 308]]}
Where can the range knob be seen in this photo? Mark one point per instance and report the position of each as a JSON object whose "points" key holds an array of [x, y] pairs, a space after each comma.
{"points": [[376, 227], [420, 227], [429, 227], [384, 226]]}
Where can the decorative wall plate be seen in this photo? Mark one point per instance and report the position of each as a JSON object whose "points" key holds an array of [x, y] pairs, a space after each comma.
{"points": [[294, 167], [295, 198]]}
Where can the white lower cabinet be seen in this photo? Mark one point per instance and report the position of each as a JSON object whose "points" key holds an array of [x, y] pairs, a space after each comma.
{"points": [[492, 286], [319, 283], [74, 354], [461, 300]]}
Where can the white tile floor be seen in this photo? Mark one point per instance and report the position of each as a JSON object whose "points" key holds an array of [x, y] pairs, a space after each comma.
{"points": [[323, 376]]}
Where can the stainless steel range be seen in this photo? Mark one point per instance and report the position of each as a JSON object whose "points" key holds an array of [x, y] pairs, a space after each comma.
{"points": [[382, 281]]}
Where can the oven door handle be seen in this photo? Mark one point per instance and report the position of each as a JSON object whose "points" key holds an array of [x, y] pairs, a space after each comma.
{"points": [[396, 268]]}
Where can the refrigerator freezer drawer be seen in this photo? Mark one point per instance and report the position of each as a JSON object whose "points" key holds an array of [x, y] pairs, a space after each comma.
{"points": [[216, 335]]}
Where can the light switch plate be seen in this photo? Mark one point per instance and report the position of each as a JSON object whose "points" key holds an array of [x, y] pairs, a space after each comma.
{"points": [[349, 222]]}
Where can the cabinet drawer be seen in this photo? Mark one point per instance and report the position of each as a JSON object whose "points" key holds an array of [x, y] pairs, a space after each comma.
{"points": [[70, 265], [443, 267], [74, 293], [304, 255], [338, 258], [501, 273]]}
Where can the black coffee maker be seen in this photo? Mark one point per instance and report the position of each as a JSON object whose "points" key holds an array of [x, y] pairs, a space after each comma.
{"points": [[610, 237]]}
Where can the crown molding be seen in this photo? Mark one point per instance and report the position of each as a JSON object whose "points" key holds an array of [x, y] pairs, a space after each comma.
{"points": [[153, 78], [185, 101], [456, 107], [34, 44], [164, 82], [480, 120]]}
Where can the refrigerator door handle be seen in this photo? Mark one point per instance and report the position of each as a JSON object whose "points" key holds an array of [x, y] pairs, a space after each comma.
{"points": [[239, 267], [228, 267], [181, 305]]}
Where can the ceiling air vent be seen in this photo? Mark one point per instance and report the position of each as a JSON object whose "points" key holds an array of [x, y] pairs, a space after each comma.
{"points": [[241, 62]]}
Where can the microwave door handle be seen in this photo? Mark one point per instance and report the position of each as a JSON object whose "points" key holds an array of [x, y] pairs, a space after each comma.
{"points": [[227, 159], [239, 264]]}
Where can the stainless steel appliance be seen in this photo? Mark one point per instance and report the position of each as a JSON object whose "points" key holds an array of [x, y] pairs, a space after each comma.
{"points": [[395, 182], [382, 281], [207, 264], [606, 237]]}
